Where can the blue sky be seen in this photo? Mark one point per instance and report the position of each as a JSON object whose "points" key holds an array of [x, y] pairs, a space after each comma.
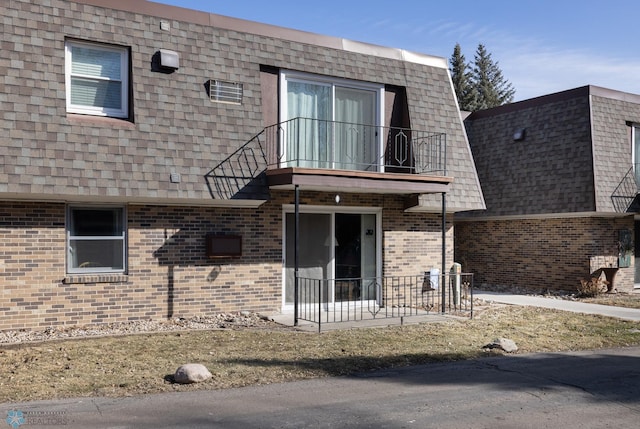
{"points": [[541, 46]]}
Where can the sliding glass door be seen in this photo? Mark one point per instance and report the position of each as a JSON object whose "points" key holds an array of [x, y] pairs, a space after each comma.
{"points": [[355, 260], [308, 138], [330, 123], [340, 249], [314, 256], [355, 134]]}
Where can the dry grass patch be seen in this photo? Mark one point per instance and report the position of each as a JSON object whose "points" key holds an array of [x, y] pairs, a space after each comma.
{"points": [[137, 364], [615, 299]]}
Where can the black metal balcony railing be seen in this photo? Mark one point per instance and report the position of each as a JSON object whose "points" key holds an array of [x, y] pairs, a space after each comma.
{"points": [[351, 300], [241, 173], [625, 196], [312, 143]]}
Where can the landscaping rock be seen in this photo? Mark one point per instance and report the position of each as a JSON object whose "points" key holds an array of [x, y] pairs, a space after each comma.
{"points": [[219, 321], [505, 344], [191, 373]]}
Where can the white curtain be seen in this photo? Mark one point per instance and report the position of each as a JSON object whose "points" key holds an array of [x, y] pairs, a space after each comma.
{"points": [[308, 137], [355, 145]]}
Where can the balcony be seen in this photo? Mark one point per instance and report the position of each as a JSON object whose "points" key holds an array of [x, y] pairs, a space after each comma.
{"points": [[625, 197], [333, 156]]}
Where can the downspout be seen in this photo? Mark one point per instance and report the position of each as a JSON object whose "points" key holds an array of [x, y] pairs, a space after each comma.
{"points": [[444, 250], [444, 233], [296, 236]]}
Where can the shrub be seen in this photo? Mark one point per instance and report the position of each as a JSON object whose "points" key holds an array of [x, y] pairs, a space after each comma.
{"points": [[592, 288]]}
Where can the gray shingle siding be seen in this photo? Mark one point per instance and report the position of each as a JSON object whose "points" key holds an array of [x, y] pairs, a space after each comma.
{"points": [[431, 111], [550, 171], [174, 127], [612, 147], [576, 150]]}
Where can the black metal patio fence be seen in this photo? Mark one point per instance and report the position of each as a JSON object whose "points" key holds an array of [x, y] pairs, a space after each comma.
{"points": [[324, 301]]}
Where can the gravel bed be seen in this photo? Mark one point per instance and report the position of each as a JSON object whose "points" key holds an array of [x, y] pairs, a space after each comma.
{"points": [[240, 320]]}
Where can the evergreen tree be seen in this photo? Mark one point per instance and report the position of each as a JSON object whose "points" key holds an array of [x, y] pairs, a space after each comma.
{"points": [[492, 88], [461, 77], [484, 86]]}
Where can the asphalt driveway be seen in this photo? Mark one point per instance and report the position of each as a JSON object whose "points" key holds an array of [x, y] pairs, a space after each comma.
{"points": [[570, 390]]}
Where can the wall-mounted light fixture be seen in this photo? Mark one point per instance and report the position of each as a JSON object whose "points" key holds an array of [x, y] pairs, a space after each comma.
{"points": [[168, 59], [519, 134], [165, 61]]}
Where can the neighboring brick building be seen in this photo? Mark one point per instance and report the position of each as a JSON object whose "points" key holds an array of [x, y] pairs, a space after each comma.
{"points": [[557, 173], [132, 131]]}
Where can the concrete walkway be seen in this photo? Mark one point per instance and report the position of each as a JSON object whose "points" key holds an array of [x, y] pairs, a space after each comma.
{"points": [[560, 304], [286, 319], [623, 313]]}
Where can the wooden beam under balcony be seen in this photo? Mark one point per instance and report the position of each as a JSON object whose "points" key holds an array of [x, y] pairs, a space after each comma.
{"points": [[327, 180]]}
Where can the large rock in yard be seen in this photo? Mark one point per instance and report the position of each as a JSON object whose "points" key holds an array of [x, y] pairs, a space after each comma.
{"points": [[191, 373], [505, 344]]}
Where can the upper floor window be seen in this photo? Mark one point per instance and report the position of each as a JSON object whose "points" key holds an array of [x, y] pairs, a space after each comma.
{"points": [[635, 150], [96, 240], [330, 122], [97, 79]]}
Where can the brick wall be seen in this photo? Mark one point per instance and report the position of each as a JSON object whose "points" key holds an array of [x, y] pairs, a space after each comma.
{"points": [[32, 246], [540, 254], [168, 272], [413, 241]]}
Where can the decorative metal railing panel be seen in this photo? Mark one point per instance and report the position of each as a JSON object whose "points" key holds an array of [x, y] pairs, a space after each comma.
{"points": [[324, 301], [625, 194], [312, 143], [241, 175]]}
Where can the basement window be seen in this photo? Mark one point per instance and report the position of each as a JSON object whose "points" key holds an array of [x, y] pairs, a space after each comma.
{"points": [[96, 240]]}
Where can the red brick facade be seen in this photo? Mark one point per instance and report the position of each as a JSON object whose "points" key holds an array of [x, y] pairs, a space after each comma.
{"points": [[168, 274], [541, 254]]}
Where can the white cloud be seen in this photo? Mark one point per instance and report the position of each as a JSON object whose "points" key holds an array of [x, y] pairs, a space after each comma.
{"points": [[540, 72], [537, 66]]}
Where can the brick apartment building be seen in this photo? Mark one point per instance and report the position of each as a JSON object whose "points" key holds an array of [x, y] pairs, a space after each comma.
{"points": [[154, 157], [560, 176]]}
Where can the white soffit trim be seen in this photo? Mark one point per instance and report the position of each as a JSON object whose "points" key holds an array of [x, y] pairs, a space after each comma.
{"points": [[245, 26], [424, 59], [393, 53]]}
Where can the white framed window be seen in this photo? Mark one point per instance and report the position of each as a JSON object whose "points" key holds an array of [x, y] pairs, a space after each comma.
{"points": [[331, 122], [635, 150], [97, 79], [96, 239]]}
